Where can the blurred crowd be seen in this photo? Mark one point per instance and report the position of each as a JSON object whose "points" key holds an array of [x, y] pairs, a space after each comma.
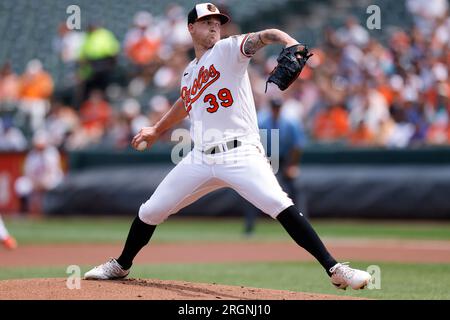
{"points": [[361, 92], [355, 90]]}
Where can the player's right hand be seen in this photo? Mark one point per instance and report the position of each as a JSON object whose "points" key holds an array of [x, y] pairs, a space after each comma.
{"points": [[148, 134]]}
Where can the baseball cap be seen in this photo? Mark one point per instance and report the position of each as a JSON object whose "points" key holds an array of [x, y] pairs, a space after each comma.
{"points": [[206, 9]]}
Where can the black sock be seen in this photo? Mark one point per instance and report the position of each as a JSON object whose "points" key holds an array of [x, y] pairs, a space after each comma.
{"points": [[304, 235], [138, 236]]}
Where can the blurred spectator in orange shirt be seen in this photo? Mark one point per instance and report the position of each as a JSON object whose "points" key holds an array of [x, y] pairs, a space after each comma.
{"points": [[331, 124], [143, 51], [142, 42], [361, 135], [438, 134], [95, 112], [9, 87], [387, 92], [439, 131], [36, 89], [36, 83]]}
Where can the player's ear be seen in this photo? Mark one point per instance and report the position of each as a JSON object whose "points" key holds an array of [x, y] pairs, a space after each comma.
{"points": [[190, 27]]}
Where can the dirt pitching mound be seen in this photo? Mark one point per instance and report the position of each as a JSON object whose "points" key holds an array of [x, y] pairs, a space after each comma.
{"points": [[140, 289]]}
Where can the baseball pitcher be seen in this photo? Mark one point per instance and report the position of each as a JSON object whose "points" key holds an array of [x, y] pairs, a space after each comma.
{"points": [[216, 95]]}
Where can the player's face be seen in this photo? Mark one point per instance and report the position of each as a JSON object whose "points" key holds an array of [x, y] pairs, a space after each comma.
{"points": [[206, 31]]}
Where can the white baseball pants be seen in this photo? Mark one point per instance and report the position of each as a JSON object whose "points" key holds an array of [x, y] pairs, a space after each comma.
{"points": [[244, 169]]}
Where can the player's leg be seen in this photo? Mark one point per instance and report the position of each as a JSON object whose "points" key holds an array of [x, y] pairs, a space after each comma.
{"points": [[251, 175], [3, 232], [250, 215], [150, 214], [5, 238], [184, 184]]}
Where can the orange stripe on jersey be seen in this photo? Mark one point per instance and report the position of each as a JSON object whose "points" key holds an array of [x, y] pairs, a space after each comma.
{"points": [[242, 45]]}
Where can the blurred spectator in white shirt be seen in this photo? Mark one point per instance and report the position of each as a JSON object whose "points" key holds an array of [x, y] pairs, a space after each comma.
{"points": [[131, 110], [68, 43], [11, 138], [426, 13], [353, 33], [60, 123], [174, 30], [42, 172]]}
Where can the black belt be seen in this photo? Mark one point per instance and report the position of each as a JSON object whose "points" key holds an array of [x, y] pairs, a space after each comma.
{"points": [[230, 145]]}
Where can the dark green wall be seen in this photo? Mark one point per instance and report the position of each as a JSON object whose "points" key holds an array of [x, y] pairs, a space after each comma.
{"points": [[312, 156]]}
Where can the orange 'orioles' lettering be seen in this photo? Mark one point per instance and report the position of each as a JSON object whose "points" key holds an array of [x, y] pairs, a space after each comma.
{"points": [[204, 79]]}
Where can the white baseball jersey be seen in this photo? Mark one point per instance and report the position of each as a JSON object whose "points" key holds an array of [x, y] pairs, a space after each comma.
{"points": [[217, 94]]}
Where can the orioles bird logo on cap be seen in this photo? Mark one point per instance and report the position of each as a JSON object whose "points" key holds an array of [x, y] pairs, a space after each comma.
{"points": [[211, 7]]}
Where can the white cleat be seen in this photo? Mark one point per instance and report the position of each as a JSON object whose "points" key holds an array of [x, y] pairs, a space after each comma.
{"points": [[344, 276], [108, 271]]}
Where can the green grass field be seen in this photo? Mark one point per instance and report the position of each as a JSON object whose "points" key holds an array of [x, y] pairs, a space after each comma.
{"points": [[398, 281], [107, 230]]}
